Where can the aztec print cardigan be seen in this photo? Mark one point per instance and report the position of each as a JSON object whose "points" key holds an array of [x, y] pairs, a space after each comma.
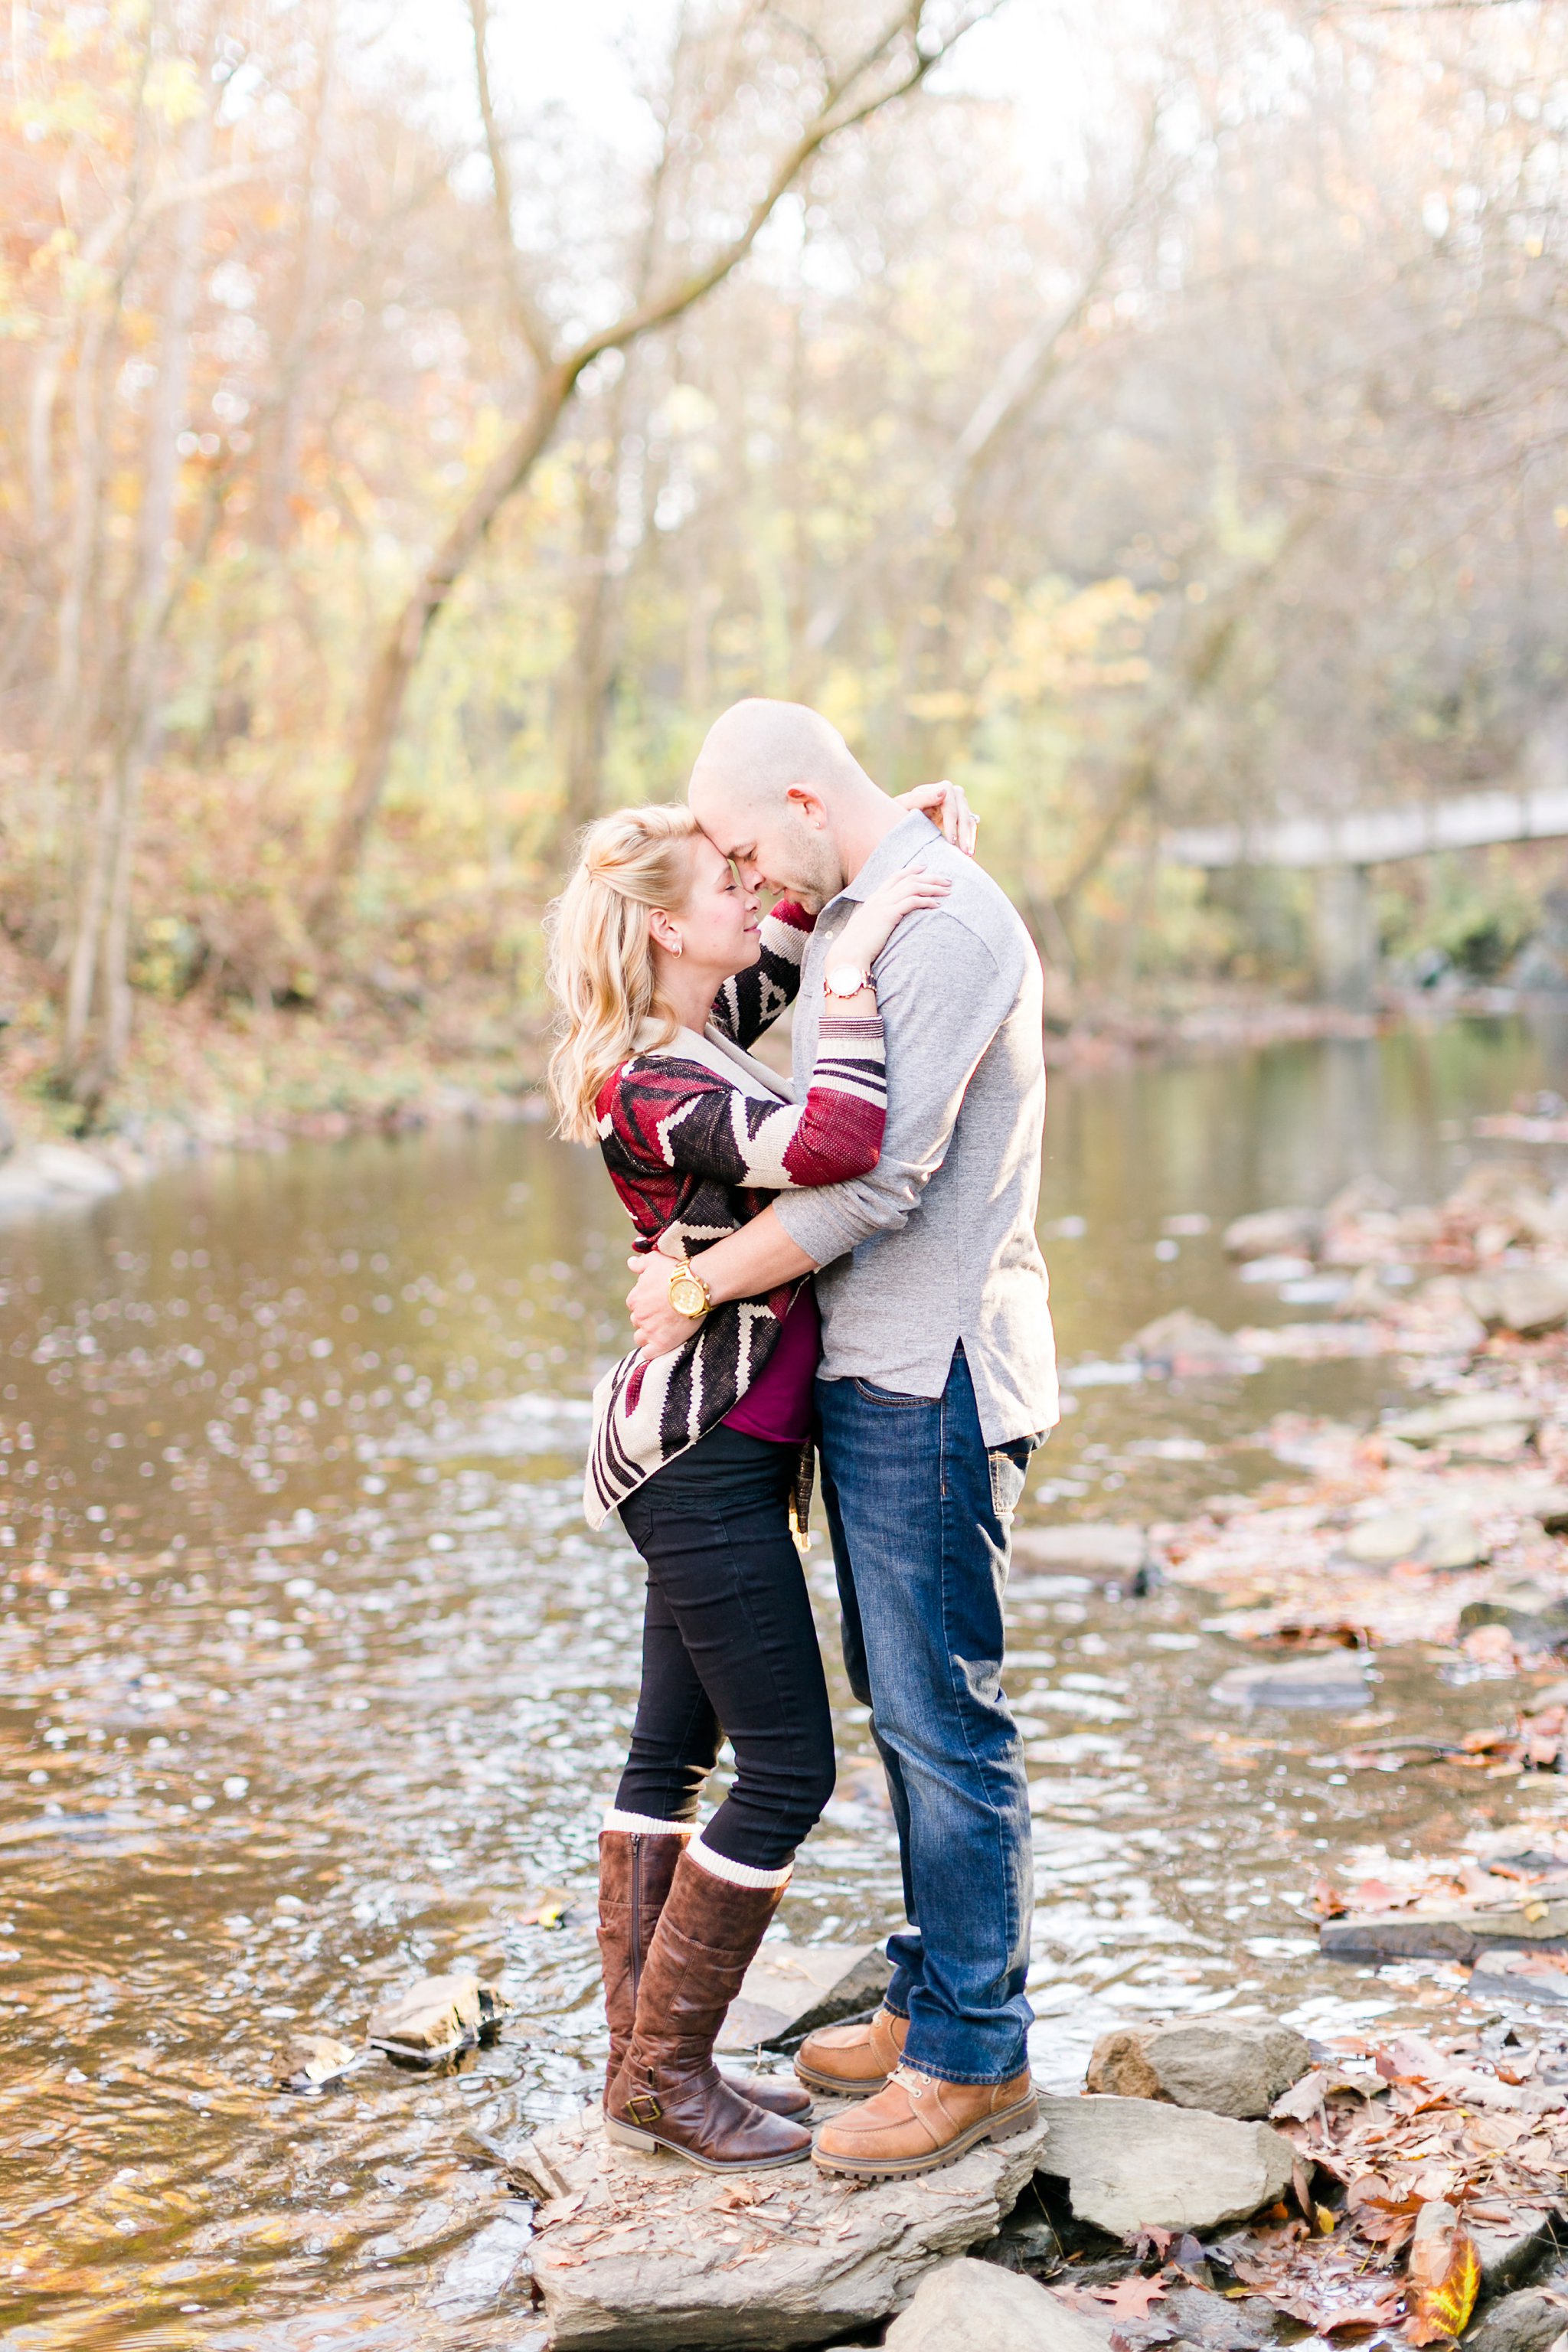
{"points": [[696, 1154]]}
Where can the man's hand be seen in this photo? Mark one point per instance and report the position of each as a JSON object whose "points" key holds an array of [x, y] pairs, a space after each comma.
{"points": [[947, 805], [661, 1327]]}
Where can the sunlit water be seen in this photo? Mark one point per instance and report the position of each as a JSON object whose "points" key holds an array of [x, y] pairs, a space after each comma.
{"points": [[314, 1681]]}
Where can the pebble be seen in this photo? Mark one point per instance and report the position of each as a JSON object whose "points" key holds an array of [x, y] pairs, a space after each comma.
{"points": [[1325, 1678]]}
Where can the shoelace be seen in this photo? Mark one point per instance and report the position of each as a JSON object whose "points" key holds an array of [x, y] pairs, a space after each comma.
{"points": [[913, 2081]]}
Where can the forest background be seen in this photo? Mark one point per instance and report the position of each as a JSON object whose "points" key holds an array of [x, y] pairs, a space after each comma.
{"points": [[1148, 413]]}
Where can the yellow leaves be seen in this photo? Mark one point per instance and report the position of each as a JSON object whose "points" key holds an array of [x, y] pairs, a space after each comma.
{"points": [[1064, 644], [1445, 2276], [173, 89], [935, 708]]}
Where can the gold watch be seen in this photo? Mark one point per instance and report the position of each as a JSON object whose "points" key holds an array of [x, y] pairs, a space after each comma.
{"points": [[689, 1292]]}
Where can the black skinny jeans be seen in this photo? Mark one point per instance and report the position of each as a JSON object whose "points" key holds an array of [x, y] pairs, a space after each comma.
{"points": [[729, 1650]]}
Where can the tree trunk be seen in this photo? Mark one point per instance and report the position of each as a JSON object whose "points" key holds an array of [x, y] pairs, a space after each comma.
{"points": [[843, 108], [389, 684], [101, 961]]}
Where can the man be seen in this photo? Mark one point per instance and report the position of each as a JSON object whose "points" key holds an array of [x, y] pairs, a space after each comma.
{"points": [[938, 1379]]}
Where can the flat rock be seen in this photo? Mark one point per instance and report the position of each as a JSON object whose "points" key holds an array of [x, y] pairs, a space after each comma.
{"points": [[1525, 2322], [1551, 1510], [53, 1175], [1527, 1299], [635, 2252], [1445, 1932], [1274, 1233], [435, 2017], [1515, 2252], [1326, 1678], [1195, 2320], [1186, 1346], [790, 1990], [1536, 1619], [1461, 1416], [1224, 2066], [1132, 2164], [1091, 1546], [967, 2305], [1506, 1974], [317, 2063], [1442, 1539]]}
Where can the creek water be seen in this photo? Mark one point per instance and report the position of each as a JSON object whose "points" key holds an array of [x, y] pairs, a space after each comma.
{"points": [[312, 1680]]}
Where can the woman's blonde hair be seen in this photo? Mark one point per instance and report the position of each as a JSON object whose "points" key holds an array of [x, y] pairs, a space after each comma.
{"points": [[601, 969]]}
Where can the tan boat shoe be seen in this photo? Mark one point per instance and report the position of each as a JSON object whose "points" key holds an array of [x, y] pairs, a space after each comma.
{"points": [[853, 2060], [919, 2123]]}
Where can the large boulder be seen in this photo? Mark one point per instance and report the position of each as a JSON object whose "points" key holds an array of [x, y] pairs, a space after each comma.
{"points": [[1131, 2164], [635, 2252], [966, 2304], [1226, 2067]]}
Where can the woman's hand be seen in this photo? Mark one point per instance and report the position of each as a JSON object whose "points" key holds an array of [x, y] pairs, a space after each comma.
{"points": [[874, 921], [947, 805]]}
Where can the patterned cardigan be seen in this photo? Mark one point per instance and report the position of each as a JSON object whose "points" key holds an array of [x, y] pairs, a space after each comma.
{"points": [[695, 1154]]}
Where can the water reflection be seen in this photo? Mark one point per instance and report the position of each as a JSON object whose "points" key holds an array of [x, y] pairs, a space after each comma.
{"points": [[314, 1681]]}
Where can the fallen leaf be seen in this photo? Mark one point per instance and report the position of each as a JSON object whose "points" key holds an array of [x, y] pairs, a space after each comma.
{"points": [[1445, 2275]]}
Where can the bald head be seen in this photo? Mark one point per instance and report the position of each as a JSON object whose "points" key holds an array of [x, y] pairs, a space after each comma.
{"points": [[777, 788]]}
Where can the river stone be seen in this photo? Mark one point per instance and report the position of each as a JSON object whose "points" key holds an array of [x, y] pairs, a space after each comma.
{"points": [[1526, 2322], [1093, 1548], [1462, 1416], [1227, 2067], [790, 1990], [317, 2063], [965, 2304], [1133, 2163], [1527, 1299], [1537, 1619], [1508, 1975], [1445, 1932], [1274, 1233], [1187, 1345], [435, 2017], [1326, 1678], [637, 2253]]}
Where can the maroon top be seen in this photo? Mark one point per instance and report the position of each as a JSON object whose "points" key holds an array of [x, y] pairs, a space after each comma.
{"points": [[777, 1405]]}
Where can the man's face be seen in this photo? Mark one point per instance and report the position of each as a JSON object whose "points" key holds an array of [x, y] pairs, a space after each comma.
{"points": [[785, 846]]}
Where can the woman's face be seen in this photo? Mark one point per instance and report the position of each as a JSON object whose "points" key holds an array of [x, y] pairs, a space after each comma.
{"points": [[717, 924]]}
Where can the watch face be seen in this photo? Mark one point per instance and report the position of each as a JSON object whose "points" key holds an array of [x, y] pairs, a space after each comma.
{"points": [[687, 1296], [846, 979]]}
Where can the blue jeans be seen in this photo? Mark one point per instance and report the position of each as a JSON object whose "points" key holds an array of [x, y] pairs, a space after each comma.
{"points": [[921, 1513]]}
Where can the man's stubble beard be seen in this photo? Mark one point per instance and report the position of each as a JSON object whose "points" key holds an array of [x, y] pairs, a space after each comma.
{"points": [[817, 874]]}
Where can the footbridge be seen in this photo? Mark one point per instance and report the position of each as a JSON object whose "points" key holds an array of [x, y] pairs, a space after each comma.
{"points": [[1341, 847]]}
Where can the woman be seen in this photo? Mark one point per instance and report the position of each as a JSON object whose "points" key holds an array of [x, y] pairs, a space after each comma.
{"points": [[664, 975]]}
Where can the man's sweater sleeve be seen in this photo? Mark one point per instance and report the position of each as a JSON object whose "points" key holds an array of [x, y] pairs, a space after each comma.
{"points": [[942, 998]]}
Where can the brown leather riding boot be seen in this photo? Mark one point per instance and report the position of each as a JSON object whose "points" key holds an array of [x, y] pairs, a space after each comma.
{"points": [[636, 1867], [669, 2093]]}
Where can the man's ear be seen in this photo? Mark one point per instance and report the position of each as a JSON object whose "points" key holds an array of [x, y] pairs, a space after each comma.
{"points": [[809, 806]]}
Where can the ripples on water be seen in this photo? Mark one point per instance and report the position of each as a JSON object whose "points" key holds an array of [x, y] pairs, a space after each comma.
{"points": [[313, 1681]]}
